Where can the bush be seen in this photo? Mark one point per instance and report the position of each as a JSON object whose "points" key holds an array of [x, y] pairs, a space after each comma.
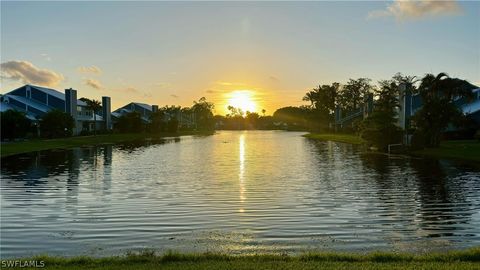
{"points": [[418, 140], [130, 122], [14, 125], [85, 133], [172, 125], [477, 135], [56, 124], [381, 138]]}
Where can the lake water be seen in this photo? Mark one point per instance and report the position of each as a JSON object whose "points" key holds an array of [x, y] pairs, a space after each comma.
{"points": [[234, 192]]}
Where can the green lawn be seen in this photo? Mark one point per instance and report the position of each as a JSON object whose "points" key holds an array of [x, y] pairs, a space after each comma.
{"points": [[336, 137], [8, 149], [465, 150], [467, 259]]}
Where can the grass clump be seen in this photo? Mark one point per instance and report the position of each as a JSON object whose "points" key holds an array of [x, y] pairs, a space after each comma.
{"points": [[336, 137], [147, 259]]}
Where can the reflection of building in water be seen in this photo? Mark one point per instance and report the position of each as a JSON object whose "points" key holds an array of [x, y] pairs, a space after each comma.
{"points": [[42, 174], [107, 169]]}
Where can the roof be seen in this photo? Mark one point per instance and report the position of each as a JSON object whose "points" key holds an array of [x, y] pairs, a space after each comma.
{"points": [[41, 106], [143, 105], [30, 102], [54, 93], [5, 107], [474, 106], [126, 108]]}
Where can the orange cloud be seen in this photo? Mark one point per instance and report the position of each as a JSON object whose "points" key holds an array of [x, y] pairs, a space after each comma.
{"points": [[26, 72]]}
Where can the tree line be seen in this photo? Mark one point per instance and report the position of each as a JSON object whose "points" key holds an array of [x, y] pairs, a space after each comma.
{"points": [[438, 111], [58, 124]]}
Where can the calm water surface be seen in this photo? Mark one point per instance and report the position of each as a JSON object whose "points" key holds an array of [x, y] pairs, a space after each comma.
{"points": [[235, 192]]}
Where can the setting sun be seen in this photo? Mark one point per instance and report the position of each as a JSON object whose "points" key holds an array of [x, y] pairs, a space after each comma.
{"points": [[242, 99]]}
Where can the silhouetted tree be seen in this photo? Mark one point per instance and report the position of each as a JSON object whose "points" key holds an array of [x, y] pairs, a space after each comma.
{"points": [[294, 117], [379, 127], [354, 92], [157, 121], [438, 110], [95, 106], [203, 111], [130, 122], [323, 101], [14, 124], [56, 123], [252, 119]]}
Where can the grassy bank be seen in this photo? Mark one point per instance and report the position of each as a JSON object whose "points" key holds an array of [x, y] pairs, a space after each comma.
{"points": [[336, 137], [467, 259], [13, 148], [464, 150]]}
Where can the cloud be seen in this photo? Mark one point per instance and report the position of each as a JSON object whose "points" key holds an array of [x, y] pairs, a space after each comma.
{"points": [[46, 57], [26, 72], [90, 70], [210, 91], [93, 83], [174, 96], [404, 10], [273, 78]]}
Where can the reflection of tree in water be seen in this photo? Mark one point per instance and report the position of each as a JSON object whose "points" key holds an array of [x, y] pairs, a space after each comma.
{"points": [[131, 146], [443, 196], [38, 168], [434, 192]]}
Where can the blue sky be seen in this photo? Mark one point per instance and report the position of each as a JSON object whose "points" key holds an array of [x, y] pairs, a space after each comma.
{"points": [[176, 52]]}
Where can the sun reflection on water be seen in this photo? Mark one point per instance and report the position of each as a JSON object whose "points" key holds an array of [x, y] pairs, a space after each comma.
{"points": [[242, 170]]}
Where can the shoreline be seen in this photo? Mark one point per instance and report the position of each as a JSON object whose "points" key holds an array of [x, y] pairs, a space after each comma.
{"points": [[461, 259], [463, 150], [14, 148]]}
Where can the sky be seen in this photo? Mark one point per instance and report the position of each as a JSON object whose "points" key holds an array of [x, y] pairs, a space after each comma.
{"points": [[172, 53]]}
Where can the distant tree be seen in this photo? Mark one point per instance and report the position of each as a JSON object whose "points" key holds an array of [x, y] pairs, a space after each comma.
{"points": [[266, 122], [203, 111], [172, 125], [95, 106], [157, 121], [56, 124], [354, 93], [252, 119], [323, 101], [438, 110], [296, 117], [379, 127], [234, 111], [130, 122], [14, 124], [263, 112], [399, 78]]}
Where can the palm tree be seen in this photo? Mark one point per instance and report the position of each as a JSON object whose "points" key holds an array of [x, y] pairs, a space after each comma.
{"points": [[438, 110], [94, 106]]}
